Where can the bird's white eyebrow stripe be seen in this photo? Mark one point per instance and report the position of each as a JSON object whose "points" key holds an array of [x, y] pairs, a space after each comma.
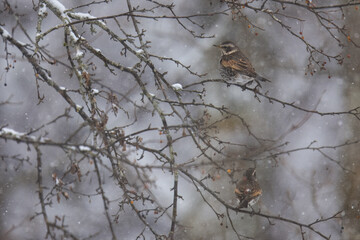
{"points": [[231, 52]]}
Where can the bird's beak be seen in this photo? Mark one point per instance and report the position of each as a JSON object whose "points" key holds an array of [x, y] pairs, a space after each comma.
{"points": [[218, 46]]}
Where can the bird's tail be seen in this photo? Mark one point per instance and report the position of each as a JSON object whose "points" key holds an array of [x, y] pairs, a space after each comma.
{"points": [[244, 204], [261, 79]]}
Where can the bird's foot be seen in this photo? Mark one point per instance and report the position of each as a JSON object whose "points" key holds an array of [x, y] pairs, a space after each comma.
{"points": [[258, 85], [252, 211], [247, 84]]}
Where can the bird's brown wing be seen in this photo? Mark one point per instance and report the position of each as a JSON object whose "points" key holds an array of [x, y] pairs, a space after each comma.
{"points": [[256, 192], [243, 189], [239, 63], [248, 190]]}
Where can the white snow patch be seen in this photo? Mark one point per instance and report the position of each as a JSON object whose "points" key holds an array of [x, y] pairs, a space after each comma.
{"points": [[84, 148], [42, 10], [16, 134], [94, 91], [84, 16], [10, 131], [72, 148], [5, 33], [79, 54], [24, 44], [73, 37], [78, 108], [177, 87], [58, 5]]}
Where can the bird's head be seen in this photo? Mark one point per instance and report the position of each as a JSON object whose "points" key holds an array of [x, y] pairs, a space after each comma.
{"points": [[250, 173], [227, 48]]}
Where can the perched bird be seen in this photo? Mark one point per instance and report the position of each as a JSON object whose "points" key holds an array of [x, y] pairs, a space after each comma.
{"points": [[248, 189], [234, 64]]}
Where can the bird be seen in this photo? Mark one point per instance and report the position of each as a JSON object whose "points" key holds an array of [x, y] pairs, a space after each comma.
{"points": [[248, 190], [234, 64]]}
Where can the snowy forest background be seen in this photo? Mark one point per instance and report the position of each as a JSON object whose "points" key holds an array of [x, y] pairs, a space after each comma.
{"points": [[96, 141]]}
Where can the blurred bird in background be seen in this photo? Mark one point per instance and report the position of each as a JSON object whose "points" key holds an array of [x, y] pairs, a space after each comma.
{"points": [[248, 189]]}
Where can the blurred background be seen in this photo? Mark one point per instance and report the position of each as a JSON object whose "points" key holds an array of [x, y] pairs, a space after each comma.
{"points": [[307, 162]]}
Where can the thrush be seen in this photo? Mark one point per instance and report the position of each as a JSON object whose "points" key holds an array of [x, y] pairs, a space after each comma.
{"points": [[248, 189], [234, 63]]}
